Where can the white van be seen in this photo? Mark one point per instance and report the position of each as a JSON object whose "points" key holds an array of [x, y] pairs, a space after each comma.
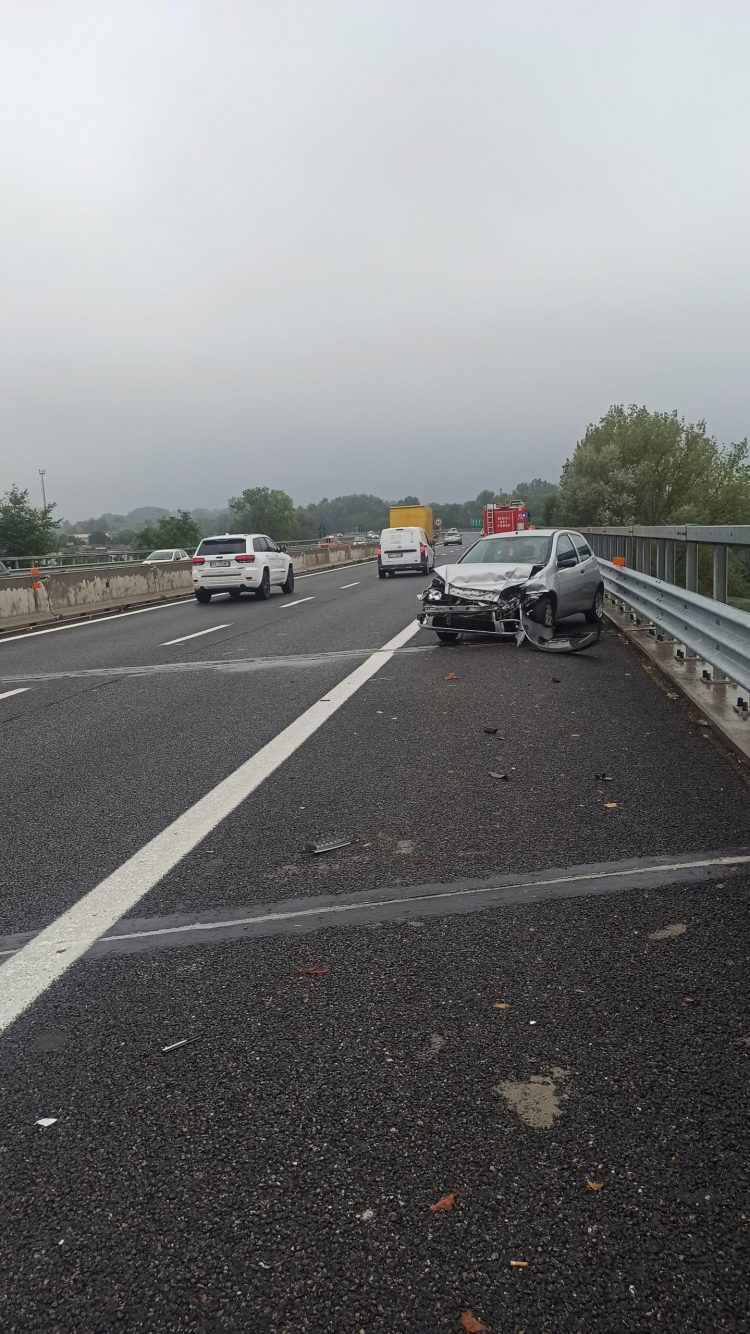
{"points": [[404, 549]]}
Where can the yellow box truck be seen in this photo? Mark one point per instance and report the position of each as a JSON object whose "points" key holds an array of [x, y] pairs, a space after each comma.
{"points": [[413, 516]]}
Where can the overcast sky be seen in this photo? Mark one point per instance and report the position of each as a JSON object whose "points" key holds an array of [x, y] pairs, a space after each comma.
{"points": [[362, 245]]}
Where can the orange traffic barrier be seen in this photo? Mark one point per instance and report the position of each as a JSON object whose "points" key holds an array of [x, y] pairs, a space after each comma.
{"points": [[35, 580], [618, 560]]}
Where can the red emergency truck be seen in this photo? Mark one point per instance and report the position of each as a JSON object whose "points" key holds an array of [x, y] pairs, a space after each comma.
{"points": [[504, 518]]}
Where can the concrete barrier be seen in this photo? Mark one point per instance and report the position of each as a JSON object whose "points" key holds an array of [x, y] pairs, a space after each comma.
{"points": [[67, 594]]}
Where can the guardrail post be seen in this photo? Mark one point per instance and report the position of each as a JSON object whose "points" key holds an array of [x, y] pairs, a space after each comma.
{"points": [[661, 558], [670, 560], [691, 567], [720, 573]]}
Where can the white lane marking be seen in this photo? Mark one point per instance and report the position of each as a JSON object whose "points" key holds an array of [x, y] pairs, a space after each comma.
{"points": [[100, 620], [20, 691], [197, 634], [26, 974], [298, 601], [323, 910], [354, 585]]}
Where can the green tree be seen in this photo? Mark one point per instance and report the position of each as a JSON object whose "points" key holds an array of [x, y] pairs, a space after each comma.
{"points": [[98, 538], [636, 466], [408, 500], [24, 530], [539, 496], [260, 509], [175, 530]]}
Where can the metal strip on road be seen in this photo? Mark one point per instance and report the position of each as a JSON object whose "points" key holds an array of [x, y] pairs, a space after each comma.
{"points": [[211, 629], [306, 915], [26, 974]]}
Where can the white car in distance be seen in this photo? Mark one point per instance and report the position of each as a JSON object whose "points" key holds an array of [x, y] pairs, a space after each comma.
{"points": [[237, 563], [168, 553]]}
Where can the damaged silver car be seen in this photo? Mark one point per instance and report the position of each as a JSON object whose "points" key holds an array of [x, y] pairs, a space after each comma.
{"points": [[519, 585]]}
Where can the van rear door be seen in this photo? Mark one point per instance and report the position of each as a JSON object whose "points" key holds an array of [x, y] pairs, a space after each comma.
{"points": [[400, 549]]}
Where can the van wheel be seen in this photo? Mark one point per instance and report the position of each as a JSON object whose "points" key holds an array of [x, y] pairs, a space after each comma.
{"points": [[595, 613], [235, 594], [288, 584], [447, 636], [265, 587], [425, 567], [382, 574], [203, 595]]}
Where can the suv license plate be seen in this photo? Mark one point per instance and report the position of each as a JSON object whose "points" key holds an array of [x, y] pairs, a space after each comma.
{"points": [[223, 563]]}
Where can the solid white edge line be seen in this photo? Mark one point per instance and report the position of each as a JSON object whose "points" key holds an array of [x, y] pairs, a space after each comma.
{"points": [[297, 602], [197, 634], [26, 974], [20, 690], [651, 869]]}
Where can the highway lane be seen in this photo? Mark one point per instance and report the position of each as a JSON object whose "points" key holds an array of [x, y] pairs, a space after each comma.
{"points": [[279, 1170]]}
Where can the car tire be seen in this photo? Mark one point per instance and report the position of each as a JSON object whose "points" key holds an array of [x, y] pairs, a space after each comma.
{"points": [[235, 594], [288, 584], [264, 591], [425, 567], [382, 574], [203, 595], [447, 636], [595, 613], [544, 612]]}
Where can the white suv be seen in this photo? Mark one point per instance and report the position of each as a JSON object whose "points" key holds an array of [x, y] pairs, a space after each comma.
{"points": [[240, 563]]}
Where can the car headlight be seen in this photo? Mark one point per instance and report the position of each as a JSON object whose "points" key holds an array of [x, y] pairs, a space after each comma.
{"points": [[434, 595]]}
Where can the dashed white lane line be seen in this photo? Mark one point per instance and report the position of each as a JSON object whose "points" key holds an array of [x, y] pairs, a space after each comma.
{"points": [[354, 585], [99, 620], [21, 690], [26, 974], [297, 602], [196, 634]]}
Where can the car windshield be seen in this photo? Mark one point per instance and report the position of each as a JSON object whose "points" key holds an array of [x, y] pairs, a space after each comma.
{"points": [[221, 546], [160, 555], [530, 549]]}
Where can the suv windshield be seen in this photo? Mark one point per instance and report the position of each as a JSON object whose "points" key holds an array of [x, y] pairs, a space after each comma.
{"points": [[221, 546], [509, 550]]}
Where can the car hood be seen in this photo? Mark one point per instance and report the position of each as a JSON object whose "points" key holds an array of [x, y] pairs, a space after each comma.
{"points": [[491, 577]]}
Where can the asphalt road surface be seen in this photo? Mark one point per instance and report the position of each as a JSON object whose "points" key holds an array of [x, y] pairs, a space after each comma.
{"points": [[525, 994]]}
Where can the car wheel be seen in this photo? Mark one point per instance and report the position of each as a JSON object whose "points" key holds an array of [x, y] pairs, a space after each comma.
{"points": [[235, 594], [382, 574], [447, 636], [425, 567], [203, 595], [595, 613], [265, 587], [544, 612], [288, 584]]}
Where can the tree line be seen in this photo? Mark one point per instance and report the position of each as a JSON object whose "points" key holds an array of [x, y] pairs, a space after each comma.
{"points": [[632, 466]]}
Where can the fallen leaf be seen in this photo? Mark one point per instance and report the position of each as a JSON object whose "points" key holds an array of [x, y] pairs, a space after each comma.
{"points": [[447, 1202], [501, 1005], [594, 1185], [452, 676], [610, 805], [471, 1324], [315, 971], [519, 1264]]}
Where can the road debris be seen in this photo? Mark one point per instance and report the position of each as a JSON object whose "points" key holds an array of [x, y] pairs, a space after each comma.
{"points": [[491, 731], [46, 1121], [471, 1324], [670, 932], [182, 1042], [519, 1264], [604, 778], [610, 805], [446, 1202], [557, 680], [504, 778], [367, 1215], [501, 1005], [328, 844], [315, 970], [437, 1042], [452, 676], [686, 1000], [594, 1185]]}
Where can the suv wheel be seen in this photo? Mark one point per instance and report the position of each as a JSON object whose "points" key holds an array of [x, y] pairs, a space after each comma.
{"points": [[203, 595], [288, 584], [265, 587]]}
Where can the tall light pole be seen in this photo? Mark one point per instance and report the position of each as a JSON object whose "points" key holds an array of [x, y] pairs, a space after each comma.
{"points": [[42, 472]]}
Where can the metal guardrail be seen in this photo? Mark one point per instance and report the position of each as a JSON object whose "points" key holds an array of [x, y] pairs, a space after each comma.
{"points": [[654, 550], [700, 626]]}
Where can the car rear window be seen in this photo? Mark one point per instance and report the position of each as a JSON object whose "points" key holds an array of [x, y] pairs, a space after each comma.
{"points": [[221, 546], [396, 537]]}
